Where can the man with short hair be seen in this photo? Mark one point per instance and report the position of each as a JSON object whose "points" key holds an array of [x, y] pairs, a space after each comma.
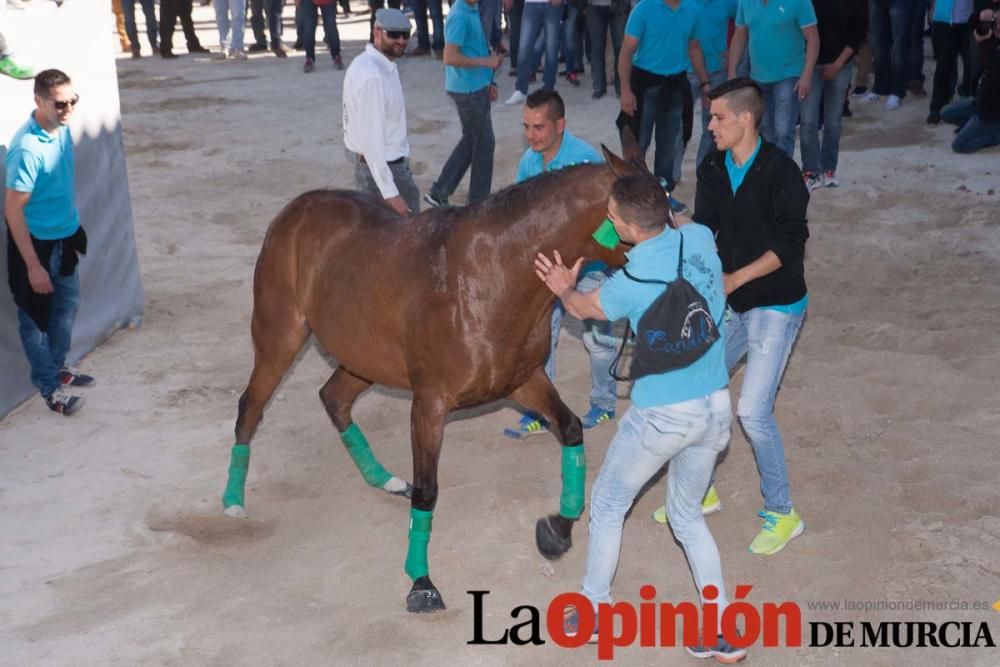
{"points": [[44, 237], [784, 45], [375, 116], [551, 147], [468, 79], [660, 45], [751, 194], [681, 416]]}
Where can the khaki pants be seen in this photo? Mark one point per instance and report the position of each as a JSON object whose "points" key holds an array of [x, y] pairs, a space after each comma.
{"points": [[116, 7]]}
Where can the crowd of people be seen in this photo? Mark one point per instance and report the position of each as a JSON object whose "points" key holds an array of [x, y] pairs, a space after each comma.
{"points": [[764, 72]]}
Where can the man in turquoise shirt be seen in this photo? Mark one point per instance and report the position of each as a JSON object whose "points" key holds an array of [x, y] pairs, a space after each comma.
{"points": [[552, 147], [784, 45], [44, 237], [660, 45], [468, 78], [681, 416]]}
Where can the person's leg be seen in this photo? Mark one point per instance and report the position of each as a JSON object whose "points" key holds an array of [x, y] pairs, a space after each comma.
{"points": [[863, 60], [915, 62], [958, 113], [238, 22], [437, 22], [488, 11], [168, 19], [647, 119], [680, 146], [514, 18], [222, 23], [618, 20], [483, 147], [420, 18], [128, 12], [403, 178], [187, 23], [308, 35], [786, 114], [881, 43], [330, 30], [532, 20], [767, 126], [257, 25], [963, 44], [945, 47], [598, 20], [770, 337], [120, 27], [461, 156], [570, 48], [274, 10], [558, 313], [602, 347], [552, 21], [809, 123], [668, 126], [976, 135], [900, 18], [834, 91], [65, 302]]}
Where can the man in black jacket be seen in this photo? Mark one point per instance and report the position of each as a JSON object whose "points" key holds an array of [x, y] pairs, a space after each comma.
{"points": [[751, 194]]}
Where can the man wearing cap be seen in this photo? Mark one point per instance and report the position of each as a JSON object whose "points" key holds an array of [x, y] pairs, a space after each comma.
{"points": [[375, 116]]}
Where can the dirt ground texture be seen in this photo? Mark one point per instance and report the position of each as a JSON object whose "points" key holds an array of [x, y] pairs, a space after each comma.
{"points": [[115, 550]]}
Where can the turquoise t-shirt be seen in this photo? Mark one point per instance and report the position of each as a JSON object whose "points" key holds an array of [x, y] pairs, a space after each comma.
{"points": [[572, 151], [777, 46], [656, 259], [42, 164], [663, 34], [713, 31], [464, 29], [952, 11], [796, 308], [737, 174]]}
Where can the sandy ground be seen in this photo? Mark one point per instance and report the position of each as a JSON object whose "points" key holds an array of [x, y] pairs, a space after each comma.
{"points": [[114, 547]]}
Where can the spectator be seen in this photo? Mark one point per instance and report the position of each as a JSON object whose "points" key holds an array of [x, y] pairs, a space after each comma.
{"points": [[328, 12], [604, 16], [951, 36], [149, 11], [979, 118], [891, 28], [272, 9], [538, 17], [170, 10], [123, 40], [424, 44]]}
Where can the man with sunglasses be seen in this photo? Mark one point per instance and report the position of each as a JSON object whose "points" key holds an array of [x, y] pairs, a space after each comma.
{"points": [[375, 116], [44, 238]]}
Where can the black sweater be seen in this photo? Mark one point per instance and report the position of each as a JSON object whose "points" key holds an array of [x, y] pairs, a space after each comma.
{"points": [[988, 90], [840, 23], [768, 212]]}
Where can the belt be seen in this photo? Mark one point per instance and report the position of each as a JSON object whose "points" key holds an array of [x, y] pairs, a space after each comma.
{"points": [[399, 160]]}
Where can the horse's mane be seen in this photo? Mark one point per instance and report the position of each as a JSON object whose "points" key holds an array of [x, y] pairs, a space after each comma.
{"points": [[524, 194]]}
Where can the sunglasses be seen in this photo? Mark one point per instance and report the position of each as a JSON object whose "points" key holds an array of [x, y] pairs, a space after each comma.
{"points": [[61, 105], [397, 34]]}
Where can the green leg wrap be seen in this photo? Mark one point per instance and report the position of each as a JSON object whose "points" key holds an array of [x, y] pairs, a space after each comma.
{"points": [[574, 480], [357, 447], [420, 536], [239, 463]]}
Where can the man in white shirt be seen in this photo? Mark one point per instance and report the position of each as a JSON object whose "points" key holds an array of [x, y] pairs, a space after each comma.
{"points": [[375, 116]]}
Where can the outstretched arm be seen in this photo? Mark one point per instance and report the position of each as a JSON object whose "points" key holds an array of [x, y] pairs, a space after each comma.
{"points": [[562, 281]]}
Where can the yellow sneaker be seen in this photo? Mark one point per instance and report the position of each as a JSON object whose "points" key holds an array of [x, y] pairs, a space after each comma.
{"points": [[710, 504], [778, 530]]}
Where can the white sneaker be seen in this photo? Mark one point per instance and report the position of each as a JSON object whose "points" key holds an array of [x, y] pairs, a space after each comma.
{"points": [[238, 54], [870, 98], [892, 103], [517, 98], [830, 179]]}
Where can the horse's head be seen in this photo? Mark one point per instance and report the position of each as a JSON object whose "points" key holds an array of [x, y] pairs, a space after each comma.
{"points": [[607, 247]]}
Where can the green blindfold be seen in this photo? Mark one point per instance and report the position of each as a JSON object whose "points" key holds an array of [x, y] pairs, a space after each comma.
{"points": [[606, 236]]}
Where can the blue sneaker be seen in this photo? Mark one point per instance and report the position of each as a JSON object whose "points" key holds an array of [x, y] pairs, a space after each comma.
{"points": [[530, 424], [597, 416], [677, 206], [571, 625]]}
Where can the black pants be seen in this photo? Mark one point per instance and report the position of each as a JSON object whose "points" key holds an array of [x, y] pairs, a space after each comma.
{"points": [[375, 6], [950, 42], [169, 11]]}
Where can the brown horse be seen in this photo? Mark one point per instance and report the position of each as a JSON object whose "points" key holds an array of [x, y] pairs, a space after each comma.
{"points": [[445, 304]]}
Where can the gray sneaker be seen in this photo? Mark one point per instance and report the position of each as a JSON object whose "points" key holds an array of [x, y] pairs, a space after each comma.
{"points": [[723, 652], [436, 202]]}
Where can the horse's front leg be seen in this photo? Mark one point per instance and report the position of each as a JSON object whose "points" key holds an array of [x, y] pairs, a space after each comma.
{"points": [[553, 533], [426, 432]]}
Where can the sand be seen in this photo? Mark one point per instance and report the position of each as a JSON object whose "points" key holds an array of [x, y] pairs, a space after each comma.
{"points": [[115, 550]]}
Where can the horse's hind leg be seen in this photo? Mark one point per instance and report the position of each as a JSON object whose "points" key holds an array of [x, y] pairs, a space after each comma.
{"points": [[278, 335], [553, 534], [338, 396]]}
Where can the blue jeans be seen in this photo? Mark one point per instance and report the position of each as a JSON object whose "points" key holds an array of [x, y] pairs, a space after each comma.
{"points": [[975, 134], [570, 48], [690, 435], [489, 16], [599, 21], [420, 9], [474, 149], [601, 344], [765, 337], [667, 122], [231, 19], [272, 8], [830, 96], [47, 351], [706, 143], [915, 64], [329, 14], [538, 17], [781, 112], [149, 11], [891, 25]]}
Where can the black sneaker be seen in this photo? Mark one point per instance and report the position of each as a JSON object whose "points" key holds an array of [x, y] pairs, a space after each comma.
{"points": [[934, 118], [435, 201], [257, 48], [63, 403], [722, 652], [71, 376]]}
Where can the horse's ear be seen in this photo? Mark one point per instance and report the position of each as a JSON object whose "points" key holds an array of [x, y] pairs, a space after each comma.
{"points": [[630, 147], [619, 166]]}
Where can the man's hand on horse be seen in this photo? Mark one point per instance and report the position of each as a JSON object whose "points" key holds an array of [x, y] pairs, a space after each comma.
{"points": [[398, 205], [556, 276]]}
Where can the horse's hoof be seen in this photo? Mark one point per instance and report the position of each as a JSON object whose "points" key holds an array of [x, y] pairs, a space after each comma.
{"points": [[424, 598], [553, 536], [235, 511], [399, 487]]}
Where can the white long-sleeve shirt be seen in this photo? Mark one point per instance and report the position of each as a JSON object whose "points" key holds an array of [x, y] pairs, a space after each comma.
{"points": [[375, 115]]}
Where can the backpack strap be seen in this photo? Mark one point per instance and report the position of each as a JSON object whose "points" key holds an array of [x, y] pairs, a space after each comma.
{"points": [[680, 268]]}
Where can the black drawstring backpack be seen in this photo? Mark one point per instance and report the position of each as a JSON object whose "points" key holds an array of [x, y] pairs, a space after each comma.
{"points": [[674, 332]]}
